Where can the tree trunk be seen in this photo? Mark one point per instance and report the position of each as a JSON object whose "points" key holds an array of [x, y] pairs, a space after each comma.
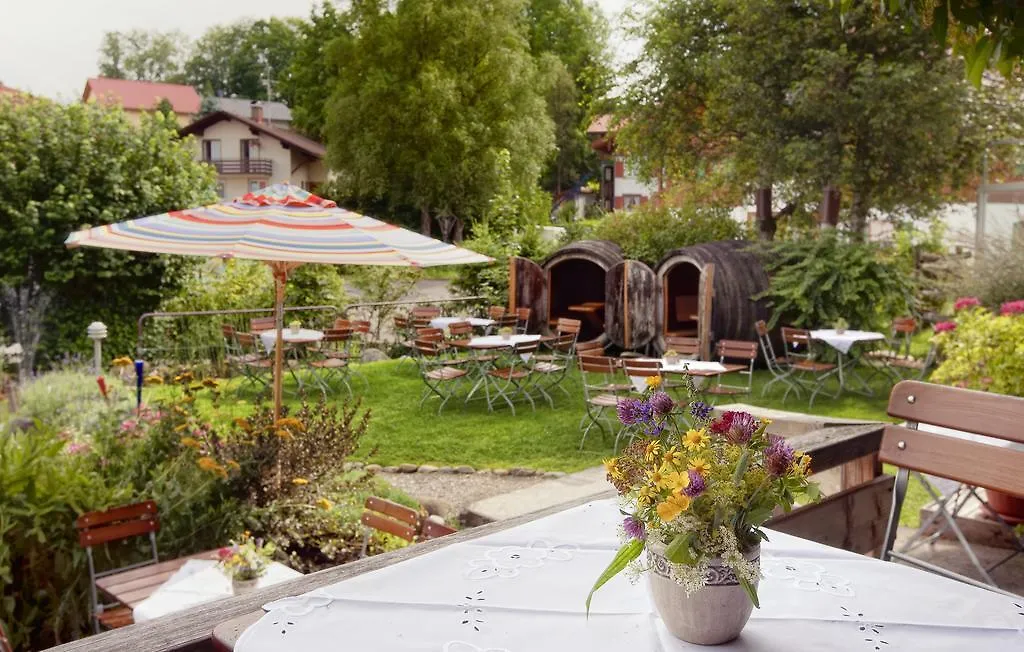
{"points": [[458, 230], [425, 221], [27, 305], [858, 215], [766, 222], [830, 207]]}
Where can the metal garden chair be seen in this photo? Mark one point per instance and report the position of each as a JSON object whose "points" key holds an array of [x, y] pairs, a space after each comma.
{"points": [[808, 372], [780, 368], [258, 324], [523, 319], [601, 392], [969, 460], [553, 369], [513, 378], [333, 360], [734, 350], [252, 361], [440, 377]]}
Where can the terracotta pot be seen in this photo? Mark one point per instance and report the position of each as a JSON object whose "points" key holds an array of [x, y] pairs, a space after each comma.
{"points": [[241, 587], [713, 615], [1008, 506]]}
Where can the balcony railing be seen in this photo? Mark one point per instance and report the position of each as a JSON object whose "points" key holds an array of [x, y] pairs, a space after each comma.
{"points": [[257, 166]]}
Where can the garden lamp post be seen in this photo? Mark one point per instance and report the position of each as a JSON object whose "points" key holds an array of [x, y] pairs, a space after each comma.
{"points": [[97, 332]]}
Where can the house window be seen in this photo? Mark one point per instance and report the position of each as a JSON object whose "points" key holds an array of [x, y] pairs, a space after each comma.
{"points": [[255, 185], [250, 149], [211, 150], [631, 201]]}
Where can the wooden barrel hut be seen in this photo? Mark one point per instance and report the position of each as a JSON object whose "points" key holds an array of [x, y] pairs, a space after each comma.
{"points": [[613, 298], [706, 292]]}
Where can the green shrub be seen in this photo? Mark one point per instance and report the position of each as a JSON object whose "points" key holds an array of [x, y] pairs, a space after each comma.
{"points": [[70, 400], [491, 280], [998, 274], [984, 352], [816, 281], [648, 232], [382, 284]]}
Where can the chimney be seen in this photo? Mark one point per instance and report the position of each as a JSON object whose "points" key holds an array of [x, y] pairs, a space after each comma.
{"points": [[256, 111]]}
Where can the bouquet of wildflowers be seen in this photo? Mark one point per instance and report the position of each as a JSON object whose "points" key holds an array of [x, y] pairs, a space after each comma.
{"points": [[702, 487], [247, 559]]}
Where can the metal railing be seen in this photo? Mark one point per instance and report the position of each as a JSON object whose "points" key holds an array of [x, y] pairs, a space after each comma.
{"points": [[258, 166]]}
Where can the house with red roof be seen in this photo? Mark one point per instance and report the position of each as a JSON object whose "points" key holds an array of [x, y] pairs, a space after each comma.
{"points": [[621, 188], [139, 97]]}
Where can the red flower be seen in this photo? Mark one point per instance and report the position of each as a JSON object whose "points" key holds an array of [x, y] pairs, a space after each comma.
{"points": [[103, 385], [966, 302], [1012, 307], [945, 326], [224, 553]]}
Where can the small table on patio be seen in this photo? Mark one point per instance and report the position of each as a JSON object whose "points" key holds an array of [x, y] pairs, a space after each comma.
{"points": [[844, 343], [302, 336], [196, 582], [132, 587], [592, 310], [524, 589], [475, 322], [491, 343], [692, 368]]}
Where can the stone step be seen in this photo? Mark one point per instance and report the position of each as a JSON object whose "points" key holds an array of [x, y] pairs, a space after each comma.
{"points": [[539, 496]]}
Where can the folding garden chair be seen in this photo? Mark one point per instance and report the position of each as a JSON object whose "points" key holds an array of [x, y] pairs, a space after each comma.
{"points": [[386, 516], [259, 324], [638, 371], [563, 328], [684, 347], [808, 372], [118, 524], [523, 319], [333, 361], [513, 378], [779, 368], [508, 320], [357, 345], [421, 316], [913, 368], [601, 392], [252, 361], [591, 348], [735, 351], [971, 459], [552, 369], [442, 379], [495, 312]]}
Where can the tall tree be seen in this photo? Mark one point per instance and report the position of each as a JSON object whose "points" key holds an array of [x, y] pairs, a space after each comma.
{"points": [[795, 96], [430, 93], [143, 55], [248, 59], [65, 167]]}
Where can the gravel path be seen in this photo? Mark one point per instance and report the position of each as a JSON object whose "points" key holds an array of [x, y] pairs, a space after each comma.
{"points": [[451, 493]]}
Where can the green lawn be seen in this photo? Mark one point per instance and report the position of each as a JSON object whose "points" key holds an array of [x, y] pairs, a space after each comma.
{"points": [[401, 431]]}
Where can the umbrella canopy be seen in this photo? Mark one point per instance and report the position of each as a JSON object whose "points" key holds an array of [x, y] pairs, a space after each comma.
{"points": [[284, 226]]}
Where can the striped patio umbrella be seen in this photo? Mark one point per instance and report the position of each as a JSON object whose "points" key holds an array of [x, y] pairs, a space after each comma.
{"points": [[284, 226]]}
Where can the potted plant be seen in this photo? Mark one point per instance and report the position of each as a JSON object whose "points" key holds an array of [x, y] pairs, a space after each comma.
{"points": [[671, 357], [295, 326], [840, 325], [245, 562], [696, 498], [505, 332]]}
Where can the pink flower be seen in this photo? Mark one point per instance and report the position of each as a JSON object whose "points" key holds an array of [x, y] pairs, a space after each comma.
{"points": [[945, 326], [128, 424], [77, 448], [1012, 307], [966, 302]]}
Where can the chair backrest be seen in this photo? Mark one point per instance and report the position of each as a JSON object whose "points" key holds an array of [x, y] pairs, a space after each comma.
{"points": [[96, 528], [964, 460], [563, 343], [428, 347], [767, 348], [495, 312], [591, 347], [428, 312], [247, 341], [387, 516], [429, 333], [736, 350], [597, 364], [567, 325], [796, 337], [228, 330], [684, 346], [341, 322], [361, 326], [401, 322], [903, 329], [525, 347], [635, 367], [257, 324], [337, 335], [433, 530], [460, 329], [507, 321], [523, 316]]}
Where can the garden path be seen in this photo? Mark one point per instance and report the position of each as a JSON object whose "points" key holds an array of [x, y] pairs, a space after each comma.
{"points": [[450, 494]]}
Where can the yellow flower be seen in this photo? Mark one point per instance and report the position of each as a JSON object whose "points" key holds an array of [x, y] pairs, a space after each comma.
{"points": [[653, 450], [180, 427], [233, 465], [674, 480], [123, 361], [803, 462], [243, 424], [653, 381], [700, 465], [323, 503], [284, 433], [695, 439], [646, 495], [190, 442], [676, 504], [153, 379], [209, 382], [207, 463], [611, 467], [300, 481], [290, 422], [673, 456]]}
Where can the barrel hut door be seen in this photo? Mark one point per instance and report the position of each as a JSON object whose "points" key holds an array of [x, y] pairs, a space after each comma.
{"points": [[631, 297], [527, 288]]}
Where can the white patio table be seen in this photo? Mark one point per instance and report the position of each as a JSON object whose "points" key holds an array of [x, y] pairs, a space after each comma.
{"points": [[302, 336], [523, 590], [844, 343], [475, 322], [698, 369], [196, 582]]}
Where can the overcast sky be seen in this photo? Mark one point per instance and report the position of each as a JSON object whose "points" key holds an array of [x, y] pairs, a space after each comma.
{"points": [[50, 47]]}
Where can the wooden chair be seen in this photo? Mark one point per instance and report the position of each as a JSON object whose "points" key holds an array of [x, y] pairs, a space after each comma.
{"points": [[495, 312], [460, 330], [442, 377], [258, 324], [509, 320], [601, 392], [252, 362], [333, 360], [421, 316], [779, 368], [523, 319], [513, 379], [386, 516], [553, 369], [808, 372], [965, 459], [734, 350], [434, 530], [117, 524]]}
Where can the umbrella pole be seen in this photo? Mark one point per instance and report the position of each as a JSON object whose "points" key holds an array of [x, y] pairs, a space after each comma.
{"points": [[280, 278]]}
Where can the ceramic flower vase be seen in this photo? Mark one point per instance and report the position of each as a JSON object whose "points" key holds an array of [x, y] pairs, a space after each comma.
{"points": [[713, 615], [241, 587]]}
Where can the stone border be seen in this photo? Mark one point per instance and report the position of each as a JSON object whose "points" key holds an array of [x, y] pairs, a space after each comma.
{"points": [[519, 471]]}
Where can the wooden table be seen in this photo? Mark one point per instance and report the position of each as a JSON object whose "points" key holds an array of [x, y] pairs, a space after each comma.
{"points": [[591, 310], [133, 586]]}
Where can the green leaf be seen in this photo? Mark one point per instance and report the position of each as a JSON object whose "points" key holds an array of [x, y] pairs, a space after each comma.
{"points": [[741, 466], [758, 516], [751, 591], [680, 551], [626, 554], [940, 21]]}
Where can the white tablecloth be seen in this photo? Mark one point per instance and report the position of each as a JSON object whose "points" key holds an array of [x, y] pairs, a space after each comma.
{"points": [[198, 581], [523, 590], [269, 338], [445, 322], [844, 341], [489, 341], [680, 367]]}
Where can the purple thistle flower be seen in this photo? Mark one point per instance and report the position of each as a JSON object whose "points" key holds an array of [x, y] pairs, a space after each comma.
{"points": [[700, 410], [634, 528], [662, 403], [737, 427], [629, 411], [696, 486], [778, 457]]}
